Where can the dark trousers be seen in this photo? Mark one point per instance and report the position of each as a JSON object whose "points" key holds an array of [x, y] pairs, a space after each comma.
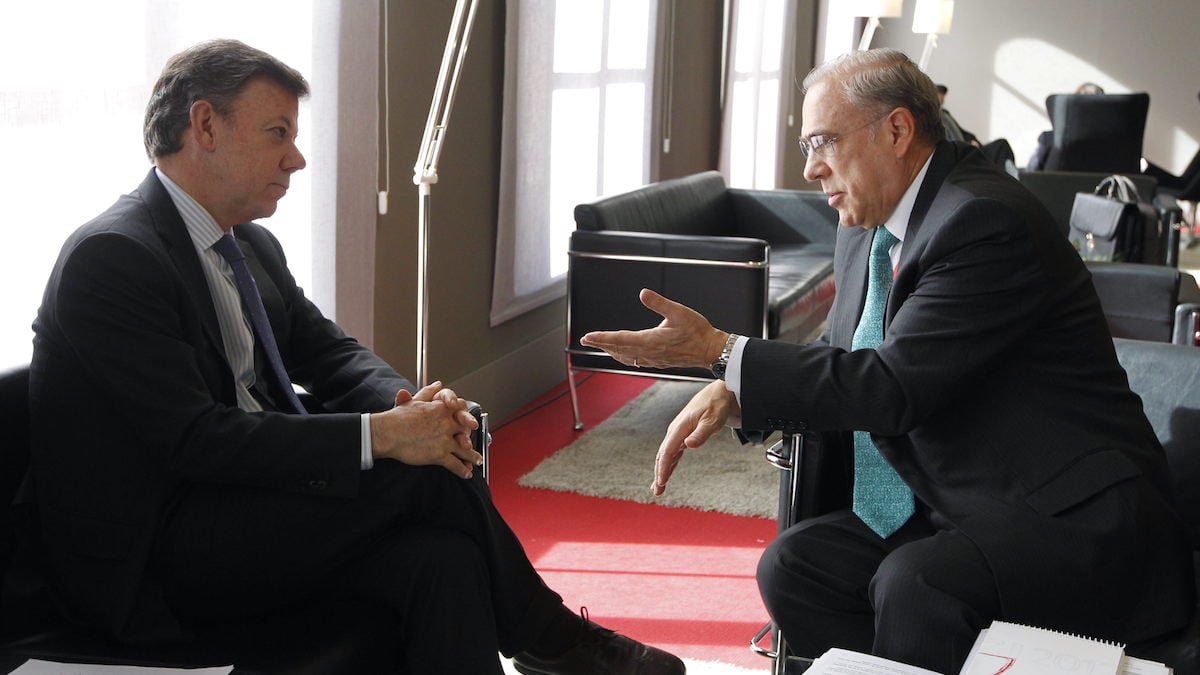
{"points": [[919, 597], [429, 546]]}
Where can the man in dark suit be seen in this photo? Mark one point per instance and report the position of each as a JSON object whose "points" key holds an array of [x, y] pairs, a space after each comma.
{"points": [[1028, 484], [176, 484]]}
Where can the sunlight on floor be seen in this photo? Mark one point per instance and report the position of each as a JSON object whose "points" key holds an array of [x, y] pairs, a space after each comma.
{"points": [[693, 597]]}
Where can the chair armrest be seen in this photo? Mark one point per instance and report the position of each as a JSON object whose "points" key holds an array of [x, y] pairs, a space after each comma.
{"points": [[784, 216], [680, 248], [1170, 217], [481, 438], [1187, 325]]}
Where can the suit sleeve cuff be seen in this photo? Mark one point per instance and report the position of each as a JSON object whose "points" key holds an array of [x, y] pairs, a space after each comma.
{"points": [[733, 375], [367, 459]]}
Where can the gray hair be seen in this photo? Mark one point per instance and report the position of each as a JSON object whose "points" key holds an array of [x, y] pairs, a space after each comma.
{"points": [[215, 71], [880, 80]]}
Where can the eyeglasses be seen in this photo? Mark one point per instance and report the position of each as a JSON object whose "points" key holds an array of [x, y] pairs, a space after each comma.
{"points": [[822, 145]]}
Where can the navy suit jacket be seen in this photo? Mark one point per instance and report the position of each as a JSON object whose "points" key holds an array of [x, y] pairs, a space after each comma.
{"points": [[997, 396], [133, 402]]}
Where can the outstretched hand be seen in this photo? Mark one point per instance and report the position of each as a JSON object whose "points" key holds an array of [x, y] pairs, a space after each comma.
{"points": [[684, 338], [702, 417]]}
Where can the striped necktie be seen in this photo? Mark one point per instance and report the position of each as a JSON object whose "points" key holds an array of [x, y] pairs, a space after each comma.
{"points": [[881, 498], [228, 247]]}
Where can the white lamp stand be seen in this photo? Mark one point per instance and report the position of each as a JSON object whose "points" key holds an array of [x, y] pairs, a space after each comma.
{"points": [[873, 10], [932, 17], [425, 172]]}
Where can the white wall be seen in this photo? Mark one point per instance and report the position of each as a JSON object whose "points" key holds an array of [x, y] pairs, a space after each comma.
{"points": [[1001, 59]]}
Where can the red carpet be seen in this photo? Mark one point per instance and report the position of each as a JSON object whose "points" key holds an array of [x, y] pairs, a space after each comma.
{"points": [[681, 579]]}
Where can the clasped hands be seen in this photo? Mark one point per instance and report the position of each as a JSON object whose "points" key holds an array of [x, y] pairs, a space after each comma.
{"points": [[432, 426], [683, 339]]}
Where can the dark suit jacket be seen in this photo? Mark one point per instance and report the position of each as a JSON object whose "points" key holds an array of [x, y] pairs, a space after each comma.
{"points": [[997, 396], [132, 402]]}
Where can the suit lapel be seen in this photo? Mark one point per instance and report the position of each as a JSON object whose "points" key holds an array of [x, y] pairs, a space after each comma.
{"points": [[945, 158], [853, 284], [171, 229]]}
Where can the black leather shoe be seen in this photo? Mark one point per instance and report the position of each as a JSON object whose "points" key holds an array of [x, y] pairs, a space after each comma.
{"points": [[602, 652]]}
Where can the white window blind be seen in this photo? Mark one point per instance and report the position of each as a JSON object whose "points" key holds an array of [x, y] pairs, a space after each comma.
{"points": [[577, 111], [758, 92]]}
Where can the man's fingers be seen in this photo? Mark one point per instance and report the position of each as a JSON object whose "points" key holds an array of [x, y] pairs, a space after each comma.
{"points": [[664, 466], [669, 452], [427, 392], [457, 466], [466, 419], [662, 305], [654, 301]]}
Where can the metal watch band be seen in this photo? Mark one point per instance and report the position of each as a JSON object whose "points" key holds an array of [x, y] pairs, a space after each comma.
{"points": [[718, 367]]}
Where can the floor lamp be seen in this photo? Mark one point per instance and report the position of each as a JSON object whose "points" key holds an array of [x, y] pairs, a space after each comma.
{"points": [[932, 17], [425, 172], [873, 10]]}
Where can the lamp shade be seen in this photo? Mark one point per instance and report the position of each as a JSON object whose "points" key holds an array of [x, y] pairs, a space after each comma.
{"points": [[877, 8], [933, 16]]}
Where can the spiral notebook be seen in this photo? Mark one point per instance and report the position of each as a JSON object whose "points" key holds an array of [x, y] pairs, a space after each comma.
{"points": [[1015, 649]]}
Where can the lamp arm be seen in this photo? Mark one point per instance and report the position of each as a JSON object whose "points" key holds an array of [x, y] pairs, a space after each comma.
{"points": [[425, 170], [868, 33], [930, 43]]}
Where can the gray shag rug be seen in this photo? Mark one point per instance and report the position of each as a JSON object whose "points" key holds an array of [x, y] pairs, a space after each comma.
{"points": [[615, 459]]}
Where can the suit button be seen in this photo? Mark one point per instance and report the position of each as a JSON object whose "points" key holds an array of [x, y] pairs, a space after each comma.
{"points": [[317, 484]]}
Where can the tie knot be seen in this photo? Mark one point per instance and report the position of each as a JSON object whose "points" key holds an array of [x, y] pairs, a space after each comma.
{"points": [[228, 247], [883, 242]]}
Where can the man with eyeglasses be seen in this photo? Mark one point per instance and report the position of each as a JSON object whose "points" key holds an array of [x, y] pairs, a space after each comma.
{"points": [[994, 463]]}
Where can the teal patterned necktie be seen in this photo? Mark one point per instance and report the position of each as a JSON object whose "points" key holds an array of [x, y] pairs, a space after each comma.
{"points": [[881, 498]]}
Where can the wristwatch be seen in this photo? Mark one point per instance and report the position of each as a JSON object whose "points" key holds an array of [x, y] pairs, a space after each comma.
{"points": [[722, 362]]}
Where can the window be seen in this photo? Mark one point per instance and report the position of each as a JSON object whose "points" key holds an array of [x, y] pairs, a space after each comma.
{"points": [[72, 100], [577, 108], [752, 131]]}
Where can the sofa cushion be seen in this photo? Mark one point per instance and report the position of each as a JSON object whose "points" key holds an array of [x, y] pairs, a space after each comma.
{"points": [[801, 289]]}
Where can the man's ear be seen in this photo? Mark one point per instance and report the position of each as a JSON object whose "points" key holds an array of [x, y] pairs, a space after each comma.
{"points": [[203, 122], [901, 128]]}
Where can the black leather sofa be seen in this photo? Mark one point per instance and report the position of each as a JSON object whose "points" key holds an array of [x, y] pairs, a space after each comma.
{"points": [[755, 262]]}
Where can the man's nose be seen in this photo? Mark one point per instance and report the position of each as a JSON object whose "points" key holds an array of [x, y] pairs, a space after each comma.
{"points": [[814, 168], [294, 161]]}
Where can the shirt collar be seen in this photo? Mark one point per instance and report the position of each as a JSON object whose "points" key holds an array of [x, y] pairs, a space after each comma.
{"points": [[201, 226]]}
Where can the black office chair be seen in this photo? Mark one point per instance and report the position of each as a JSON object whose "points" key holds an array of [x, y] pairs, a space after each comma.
{"points": [[1142, 302], [1185, 187], [337, 637], [1097, 132], [1165, 376]]}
